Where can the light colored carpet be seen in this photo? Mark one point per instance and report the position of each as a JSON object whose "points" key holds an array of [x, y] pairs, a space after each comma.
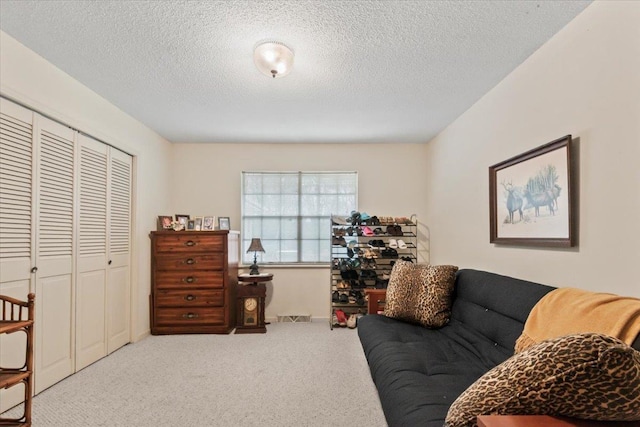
{"points": [[297, 374]]}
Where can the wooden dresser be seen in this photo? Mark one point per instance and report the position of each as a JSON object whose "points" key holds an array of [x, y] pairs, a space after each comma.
{"points": [[194, 275]]}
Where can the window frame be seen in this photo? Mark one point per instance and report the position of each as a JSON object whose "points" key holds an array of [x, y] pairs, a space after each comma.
{"points": [[246, 259]]}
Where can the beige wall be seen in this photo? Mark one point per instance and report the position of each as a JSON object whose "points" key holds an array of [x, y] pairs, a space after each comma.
{"points": [[32, 81], [207, 181], [586, 82]]}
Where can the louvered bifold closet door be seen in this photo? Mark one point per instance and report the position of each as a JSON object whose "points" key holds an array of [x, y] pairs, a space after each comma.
{"points": [[16, 231], [118, 273], [91, 252], [54, 253]]}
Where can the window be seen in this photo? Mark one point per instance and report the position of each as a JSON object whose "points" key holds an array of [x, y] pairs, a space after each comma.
{"points": [[290, 211]]}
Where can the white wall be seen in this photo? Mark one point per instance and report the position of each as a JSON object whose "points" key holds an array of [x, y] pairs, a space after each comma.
{"points": [[207, 181], [32, 81], [586, 82]]}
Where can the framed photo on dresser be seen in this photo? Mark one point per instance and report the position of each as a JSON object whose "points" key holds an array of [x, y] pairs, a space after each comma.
{"points": [[182, 220], [224, 223], [208, 223]]}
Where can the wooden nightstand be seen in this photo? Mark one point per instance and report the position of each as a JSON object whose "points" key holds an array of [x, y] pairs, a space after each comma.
{"points": [[377, 298], [251, 294]]}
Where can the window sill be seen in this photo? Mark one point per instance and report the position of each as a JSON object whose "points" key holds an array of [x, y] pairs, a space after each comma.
{"points": [[286, 266]]}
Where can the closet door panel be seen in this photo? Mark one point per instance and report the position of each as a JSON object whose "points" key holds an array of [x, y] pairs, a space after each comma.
{"points": [[118, 276], [54, 253], [16, 194], [91, 252], [54, 338], [16, 234], [90, 325]]}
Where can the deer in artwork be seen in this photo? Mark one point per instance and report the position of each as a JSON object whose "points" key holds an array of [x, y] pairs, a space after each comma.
{"points": [[544, 198], [514, 201]]}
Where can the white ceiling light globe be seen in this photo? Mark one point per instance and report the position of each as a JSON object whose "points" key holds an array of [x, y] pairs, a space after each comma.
{"points": [[273, 59]]}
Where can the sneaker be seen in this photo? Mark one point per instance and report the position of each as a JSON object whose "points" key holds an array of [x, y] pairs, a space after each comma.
{"points": [[351, 322], [341, 317]]}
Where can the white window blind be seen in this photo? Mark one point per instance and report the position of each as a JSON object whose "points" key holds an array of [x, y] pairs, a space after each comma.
{"points": [[290, 211]]}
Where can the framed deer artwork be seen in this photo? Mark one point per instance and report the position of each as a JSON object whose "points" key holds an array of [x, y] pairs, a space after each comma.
{"points": [[530, 197]]}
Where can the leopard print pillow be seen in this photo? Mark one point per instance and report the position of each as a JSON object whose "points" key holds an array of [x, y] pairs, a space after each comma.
{"points": [[589, 376], [420, 293]]}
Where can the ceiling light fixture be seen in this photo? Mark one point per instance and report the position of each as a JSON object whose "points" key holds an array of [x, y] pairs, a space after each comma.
{"points": [[273, 58]]}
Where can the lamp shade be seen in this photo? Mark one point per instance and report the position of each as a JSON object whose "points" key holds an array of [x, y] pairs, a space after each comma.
{"points": [[255, 246], [273, 59]]}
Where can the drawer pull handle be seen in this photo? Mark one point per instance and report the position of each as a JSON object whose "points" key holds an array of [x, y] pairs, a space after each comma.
{"points": [[190, 243], [189, 279], [190, 315], [190, 261], [190, 297]]}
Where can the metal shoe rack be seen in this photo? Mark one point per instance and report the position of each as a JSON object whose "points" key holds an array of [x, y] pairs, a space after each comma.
{"points": [[360, 261]]}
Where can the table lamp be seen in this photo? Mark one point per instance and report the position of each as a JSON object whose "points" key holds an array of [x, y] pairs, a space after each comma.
{"points": [[255, 247]]}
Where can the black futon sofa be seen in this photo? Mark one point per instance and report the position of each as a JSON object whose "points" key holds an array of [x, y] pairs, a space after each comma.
{"points": [[419, 372]]}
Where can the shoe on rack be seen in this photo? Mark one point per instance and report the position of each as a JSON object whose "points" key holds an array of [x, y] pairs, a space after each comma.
{"points": [[393, 243], [351, 322], [338, 241], [341, 317], [335, 296], [355, 218], [367, 231], [343, 298], [334, 320], [365, 216], [402, 244], [338, 220]]}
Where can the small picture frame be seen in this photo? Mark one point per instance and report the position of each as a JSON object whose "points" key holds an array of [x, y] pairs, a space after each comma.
{"points": [[197, 223], [165, 222], [224, 223], [208, 223], [182, 220], [191, 225]]}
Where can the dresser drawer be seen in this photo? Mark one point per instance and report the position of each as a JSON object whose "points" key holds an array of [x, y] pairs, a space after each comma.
{"points": [[189, 316], [190, 298], [190, 261], [196, 279], [189, 243]]}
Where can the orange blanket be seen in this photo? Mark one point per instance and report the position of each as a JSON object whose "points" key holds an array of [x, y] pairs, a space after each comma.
{"points": [[567, 311]]}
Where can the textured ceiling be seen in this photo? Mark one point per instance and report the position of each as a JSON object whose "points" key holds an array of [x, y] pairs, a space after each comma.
{"points": [[364, 71]]}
